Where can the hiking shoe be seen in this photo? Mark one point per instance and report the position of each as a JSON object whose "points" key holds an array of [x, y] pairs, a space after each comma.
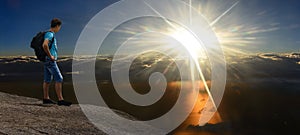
{"points": [[48, 101], [64, 103]]}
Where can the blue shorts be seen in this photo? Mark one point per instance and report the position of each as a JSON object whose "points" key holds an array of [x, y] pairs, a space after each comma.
{"points": [[51, 70]]}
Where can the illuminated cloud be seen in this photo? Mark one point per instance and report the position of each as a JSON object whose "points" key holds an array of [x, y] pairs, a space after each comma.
{"points": [[270, 56]]}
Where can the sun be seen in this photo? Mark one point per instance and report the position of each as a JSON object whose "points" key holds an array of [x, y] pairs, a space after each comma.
{"points": [[189, 41]]}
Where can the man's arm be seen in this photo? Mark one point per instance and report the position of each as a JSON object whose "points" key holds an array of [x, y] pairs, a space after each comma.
{"points": [[46, 49]]}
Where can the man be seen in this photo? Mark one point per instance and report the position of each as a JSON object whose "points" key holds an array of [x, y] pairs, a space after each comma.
{"points": [[51, 69]]}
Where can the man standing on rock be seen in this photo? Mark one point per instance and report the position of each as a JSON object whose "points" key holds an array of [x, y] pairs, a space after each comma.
{"points": [[51, 69]]}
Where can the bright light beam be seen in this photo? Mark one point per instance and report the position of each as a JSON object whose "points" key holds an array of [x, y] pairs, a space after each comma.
{"points": [[178, 35], [182, 35], [191, 44], [155, 11], [220, 17]]}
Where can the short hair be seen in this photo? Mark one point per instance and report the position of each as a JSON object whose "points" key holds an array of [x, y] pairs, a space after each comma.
{"points": [[55, 22]]}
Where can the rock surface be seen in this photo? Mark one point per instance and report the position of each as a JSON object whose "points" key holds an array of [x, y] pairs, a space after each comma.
{"points": [[22, 115]]}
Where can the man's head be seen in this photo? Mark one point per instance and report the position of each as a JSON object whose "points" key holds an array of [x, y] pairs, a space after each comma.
{"points": [[56, 24]]}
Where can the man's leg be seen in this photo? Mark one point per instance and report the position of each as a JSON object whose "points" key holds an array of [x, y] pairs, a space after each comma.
{"points": [[46, 90], [47, 99], [58, 85], [47, 80], [58, 89], [61, 101]]}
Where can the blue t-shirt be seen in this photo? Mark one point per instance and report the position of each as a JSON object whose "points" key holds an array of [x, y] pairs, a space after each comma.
{"points": [[53, 50]]}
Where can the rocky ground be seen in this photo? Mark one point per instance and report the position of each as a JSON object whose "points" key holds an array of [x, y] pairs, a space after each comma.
{"points": [[22, 115]]}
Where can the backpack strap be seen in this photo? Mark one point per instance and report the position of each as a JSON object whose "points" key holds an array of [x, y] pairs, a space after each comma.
{"points": [[52, 40]]}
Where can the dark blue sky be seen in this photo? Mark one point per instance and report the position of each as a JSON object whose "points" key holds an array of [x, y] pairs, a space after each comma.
{"points": [[277, 21], [22, 19], [280, 20]]}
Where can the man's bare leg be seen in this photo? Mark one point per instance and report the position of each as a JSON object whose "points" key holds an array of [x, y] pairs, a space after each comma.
{"points": [[58, 89], [46, 90]]}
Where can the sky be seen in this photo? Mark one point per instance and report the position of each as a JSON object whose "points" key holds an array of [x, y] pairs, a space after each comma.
{"points": [[251, 26]]}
